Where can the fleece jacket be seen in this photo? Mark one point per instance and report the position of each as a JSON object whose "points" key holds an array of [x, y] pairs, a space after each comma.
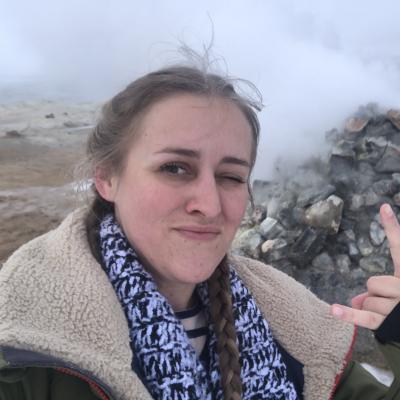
{"points": [[56, 301]]}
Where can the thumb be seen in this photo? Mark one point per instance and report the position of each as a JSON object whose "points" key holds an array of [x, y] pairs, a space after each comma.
{"points": [[358, 301], [392, 231]]}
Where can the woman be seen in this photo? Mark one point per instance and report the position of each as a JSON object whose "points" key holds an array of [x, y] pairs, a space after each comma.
{"points": [[138, 298]]}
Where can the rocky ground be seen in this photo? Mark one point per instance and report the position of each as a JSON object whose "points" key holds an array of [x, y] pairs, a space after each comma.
{"points": [[318, 223]]}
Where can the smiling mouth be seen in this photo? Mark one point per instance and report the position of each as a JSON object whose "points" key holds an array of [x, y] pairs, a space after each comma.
{"points": [[198, 233]]}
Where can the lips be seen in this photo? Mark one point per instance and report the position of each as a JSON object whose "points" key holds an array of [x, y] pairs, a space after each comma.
{"points": [[198, 232]]}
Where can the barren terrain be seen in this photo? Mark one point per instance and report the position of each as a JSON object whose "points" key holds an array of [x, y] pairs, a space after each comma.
{"points": [[40, 145]]}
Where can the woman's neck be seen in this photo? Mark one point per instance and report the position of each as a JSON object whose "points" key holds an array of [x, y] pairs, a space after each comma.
{"points": [[181, 296]]}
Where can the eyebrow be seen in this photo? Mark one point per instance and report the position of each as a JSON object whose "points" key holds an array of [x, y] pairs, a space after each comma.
{"points": [[196, 154]]}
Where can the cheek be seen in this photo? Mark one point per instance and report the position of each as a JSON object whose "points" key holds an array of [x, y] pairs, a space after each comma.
{"points": [[147, 202], [236, 207]]}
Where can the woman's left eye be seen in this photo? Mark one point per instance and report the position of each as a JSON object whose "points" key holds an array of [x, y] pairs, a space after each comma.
{"points": [[233, 179]]}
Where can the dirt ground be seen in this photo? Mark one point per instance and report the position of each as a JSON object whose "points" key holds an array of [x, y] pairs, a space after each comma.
{"points": [[40, 145]]}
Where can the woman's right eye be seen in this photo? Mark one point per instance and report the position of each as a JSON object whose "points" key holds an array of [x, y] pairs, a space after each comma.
{"points": [[175, 169]]}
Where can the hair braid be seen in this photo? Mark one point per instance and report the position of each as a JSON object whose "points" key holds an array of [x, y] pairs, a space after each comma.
{"points": [[222, 317], [97, 210]]}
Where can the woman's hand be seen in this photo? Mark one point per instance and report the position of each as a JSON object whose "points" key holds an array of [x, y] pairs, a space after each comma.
{"points": [[369, 309]]}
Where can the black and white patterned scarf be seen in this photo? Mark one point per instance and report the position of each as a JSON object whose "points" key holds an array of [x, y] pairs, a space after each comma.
{"points": [[161, 348]]}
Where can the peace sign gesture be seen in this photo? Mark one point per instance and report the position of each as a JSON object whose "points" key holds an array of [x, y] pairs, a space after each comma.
{"points": [[369, 309]]}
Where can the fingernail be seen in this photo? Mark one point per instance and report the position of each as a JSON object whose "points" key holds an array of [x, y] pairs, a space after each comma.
{"points": [[387, 210], [337, 311]]}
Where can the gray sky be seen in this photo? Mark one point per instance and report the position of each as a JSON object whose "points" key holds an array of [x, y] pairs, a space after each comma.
{"points": [[314, 61]]}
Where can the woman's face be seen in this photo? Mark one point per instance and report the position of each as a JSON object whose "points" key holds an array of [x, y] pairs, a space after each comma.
{"points": [[183, 191]]}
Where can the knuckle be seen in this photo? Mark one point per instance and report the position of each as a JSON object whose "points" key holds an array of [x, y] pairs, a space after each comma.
{"points": [[367, 304], [373, 321], [371, 282]]}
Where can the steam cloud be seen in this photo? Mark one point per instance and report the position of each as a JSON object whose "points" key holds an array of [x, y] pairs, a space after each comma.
{"points": [[315, 62]]}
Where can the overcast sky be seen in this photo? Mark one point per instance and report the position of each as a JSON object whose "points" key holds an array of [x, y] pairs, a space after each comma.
{"points": [[315, 62]]}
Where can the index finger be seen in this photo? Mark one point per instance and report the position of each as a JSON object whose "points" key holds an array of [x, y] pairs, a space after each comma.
{"points": [[366, 319], [392, 231]]}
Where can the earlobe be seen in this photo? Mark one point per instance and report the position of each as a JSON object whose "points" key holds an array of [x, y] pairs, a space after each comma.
{"points": [[105, 186]]}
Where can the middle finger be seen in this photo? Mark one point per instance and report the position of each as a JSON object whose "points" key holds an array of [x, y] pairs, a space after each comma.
{"points": [[384, 286], [379, 305]]}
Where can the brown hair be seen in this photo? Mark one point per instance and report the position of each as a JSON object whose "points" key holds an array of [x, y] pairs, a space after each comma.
{"points": [[106, 148]]}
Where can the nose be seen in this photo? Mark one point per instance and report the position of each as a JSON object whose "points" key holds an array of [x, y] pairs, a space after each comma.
{"points": [[204, 197]]}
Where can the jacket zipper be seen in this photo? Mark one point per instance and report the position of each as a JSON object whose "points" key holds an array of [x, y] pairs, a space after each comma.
{"points": [[345, 363]]}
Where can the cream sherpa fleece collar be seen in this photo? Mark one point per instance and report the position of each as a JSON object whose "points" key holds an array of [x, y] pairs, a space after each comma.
{"points": [[55, 299]]}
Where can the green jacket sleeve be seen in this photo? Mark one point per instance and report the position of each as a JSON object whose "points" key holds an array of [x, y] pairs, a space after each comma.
{"points": [[42, 384], [358, 384]]}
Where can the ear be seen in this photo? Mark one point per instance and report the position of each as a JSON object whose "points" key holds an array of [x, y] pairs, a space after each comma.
{"points": [[106, 185]]}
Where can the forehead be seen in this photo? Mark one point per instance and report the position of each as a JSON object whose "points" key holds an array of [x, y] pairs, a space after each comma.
{"points": [[197, 122]]}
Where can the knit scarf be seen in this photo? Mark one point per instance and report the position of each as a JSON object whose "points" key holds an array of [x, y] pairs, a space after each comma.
{"points": [[161, 350]]}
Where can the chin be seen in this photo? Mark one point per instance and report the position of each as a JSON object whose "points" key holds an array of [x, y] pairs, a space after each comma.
{"points": [[198, 273]]}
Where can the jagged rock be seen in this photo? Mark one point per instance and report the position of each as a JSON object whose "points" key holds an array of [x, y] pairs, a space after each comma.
{"points": [[332, 136], [270, 228], [365, 246], [75, 124], [276, 255], [396, 177], [246, 222], [280, 207], [274, 250], [49, 116], [13, 134], [358, 275], [353, 250], [376, 233], [344, 149], [377, 142], [374, 264], [312, 195], [341, 170], [365, 176], [395, 141], [273, 244], [355, 125], [343, 263], [248, 241], [349, 233], [287, 217], [298, 215], [371, 149], [371, 198], [325, 214], [394, 117], [259, 214], [357, 201], [381, 128], [396, 199], [324, 262], [385, 187], [307, 246], [384, 249], [389, 162]]}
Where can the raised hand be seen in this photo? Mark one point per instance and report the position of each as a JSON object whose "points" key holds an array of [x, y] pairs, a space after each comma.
{"points": [[369, 309]]}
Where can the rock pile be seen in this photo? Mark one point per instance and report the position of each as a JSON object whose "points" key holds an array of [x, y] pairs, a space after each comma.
{"points": [[321, 223]]}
